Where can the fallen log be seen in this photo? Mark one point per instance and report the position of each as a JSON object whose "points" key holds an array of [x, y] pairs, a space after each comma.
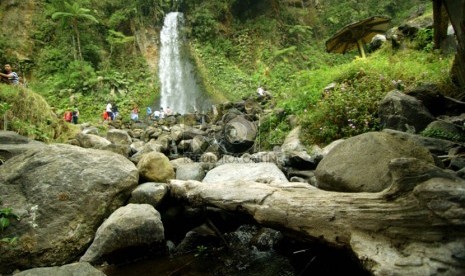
{"points": [[414, 227]]}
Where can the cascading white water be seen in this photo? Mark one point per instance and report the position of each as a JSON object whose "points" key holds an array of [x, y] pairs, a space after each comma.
{"points": [[179, 89]]}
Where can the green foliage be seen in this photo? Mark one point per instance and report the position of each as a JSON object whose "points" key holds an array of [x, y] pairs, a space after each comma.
{"points": [[337, 13], [74, 14], [204, 25], [201, 250], [53, 61], [30, 115], [441, 134], [347, 111], [236, 46], [6, 216], [272, 131], [4, 107], [424, 40], [351, 108]]}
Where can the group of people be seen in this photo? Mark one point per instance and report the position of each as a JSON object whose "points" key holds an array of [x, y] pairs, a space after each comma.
{"points": [[158, 114], [111, 112], [71, 116], [8, 76]]}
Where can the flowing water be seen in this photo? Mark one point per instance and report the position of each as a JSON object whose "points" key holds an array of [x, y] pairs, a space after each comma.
{"points": [[180, 90]]}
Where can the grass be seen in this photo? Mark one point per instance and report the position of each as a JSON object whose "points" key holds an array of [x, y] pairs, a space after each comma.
{"points": [[30, 115], [351, 108]]}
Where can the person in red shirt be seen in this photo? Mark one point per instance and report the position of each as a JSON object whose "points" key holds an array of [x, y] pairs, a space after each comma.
{"points": [[68, 116]]}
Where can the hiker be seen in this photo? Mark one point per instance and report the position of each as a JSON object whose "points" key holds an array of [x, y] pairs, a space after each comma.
{"points": [[109, 112], [168, 111], [115, 111], [75, 116], [162, 113], [135, 113], [9, 76], [68, 116], [148, 114], [156, 115]]}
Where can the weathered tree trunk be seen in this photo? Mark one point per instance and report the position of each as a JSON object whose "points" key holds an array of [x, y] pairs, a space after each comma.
{"points": [[456, 11], [415, 227], [441, 22]]}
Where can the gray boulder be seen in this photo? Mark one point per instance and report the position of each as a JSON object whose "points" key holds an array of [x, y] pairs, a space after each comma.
{"points": [[62, 193], [134, 225], [239, 134], [155, 167], [91, 141], [193, 171], [74, 269], [11, 144], [403, 112], [119, 137], [360, 163], [260, 172], [150, 193]]}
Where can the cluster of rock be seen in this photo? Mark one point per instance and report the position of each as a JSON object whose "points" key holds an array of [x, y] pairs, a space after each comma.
{"points": [[394, 198]]}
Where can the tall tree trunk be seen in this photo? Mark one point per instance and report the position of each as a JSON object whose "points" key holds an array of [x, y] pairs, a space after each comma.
{"points": [[78, 40], [456, 11], [441, 21], [74, 48]]}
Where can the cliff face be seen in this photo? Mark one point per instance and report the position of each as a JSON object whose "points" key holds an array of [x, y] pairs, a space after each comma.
{"points": [[16, 26]]}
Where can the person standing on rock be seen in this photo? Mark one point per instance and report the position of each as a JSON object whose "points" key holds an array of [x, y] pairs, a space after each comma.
{"points": [[135, 113], [75, 114], [9, 76], [115, 111], [109, 111], [168, 111]]}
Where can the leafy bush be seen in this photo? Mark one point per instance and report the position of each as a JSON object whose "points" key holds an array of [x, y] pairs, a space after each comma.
{"points": [[424, 40], [351, 108], [441, 134], [6, 215], [204, 25], [272, 131]]}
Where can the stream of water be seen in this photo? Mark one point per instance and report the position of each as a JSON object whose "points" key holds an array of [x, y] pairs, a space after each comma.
{"points": [[180, 90]]}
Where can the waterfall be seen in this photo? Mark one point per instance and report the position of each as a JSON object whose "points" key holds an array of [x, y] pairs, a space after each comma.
{"points": [[179, 88]]}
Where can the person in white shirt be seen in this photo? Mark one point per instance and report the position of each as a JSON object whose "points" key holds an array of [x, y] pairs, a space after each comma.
{"points": [[156, 115], [109, 111]]}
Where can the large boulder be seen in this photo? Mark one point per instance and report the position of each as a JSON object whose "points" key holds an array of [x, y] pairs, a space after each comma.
{"points": [[149, 193], [192, 171], [155, 167], [261, 172], [11, 144], [239, 134], [360, 163], [119, 137], [91, 141], [403, 112], [62, 193], [132, 226], [81, 268], [295, 154]]}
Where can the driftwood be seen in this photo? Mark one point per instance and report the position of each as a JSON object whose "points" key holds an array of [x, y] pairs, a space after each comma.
{"points": [[415, 227]]}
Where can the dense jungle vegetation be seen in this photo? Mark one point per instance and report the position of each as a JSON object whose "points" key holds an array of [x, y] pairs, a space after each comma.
{"points": [[85, 52]]}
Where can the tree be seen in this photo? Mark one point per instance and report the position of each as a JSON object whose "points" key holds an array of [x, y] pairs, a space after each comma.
{"points": [[75, 13]]}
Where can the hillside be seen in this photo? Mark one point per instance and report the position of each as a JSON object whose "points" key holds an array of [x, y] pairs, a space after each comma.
{"points": [[236, 46]]}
